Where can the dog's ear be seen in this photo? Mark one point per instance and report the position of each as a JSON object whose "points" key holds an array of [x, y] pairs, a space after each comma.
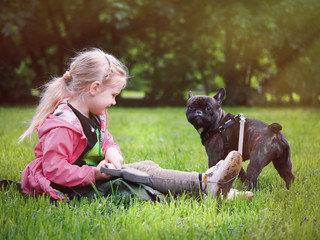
{"points": [[190, 94], [220, 96]]}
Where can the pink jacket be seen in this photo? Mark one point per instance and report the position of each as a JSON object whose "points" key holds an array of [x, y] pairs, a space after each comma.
{"points": [[61, 142]]}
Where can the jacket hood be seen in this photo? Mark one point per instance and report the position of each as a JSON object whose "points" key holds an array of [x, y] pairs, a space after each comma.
{"points": [[63, 116]]}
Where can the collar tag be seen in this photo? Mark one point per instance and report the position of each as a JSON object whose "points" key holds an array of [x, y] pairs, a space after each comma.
{"points": [[200, 130]]}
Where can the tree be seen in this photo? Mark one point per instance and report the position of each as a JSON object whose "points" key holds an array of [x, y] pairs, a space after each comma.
{"points": [[171, 46], [296, 51]]}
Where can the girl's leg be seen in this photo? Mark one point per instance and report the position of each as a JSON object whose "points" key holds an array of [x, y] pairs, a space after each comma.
{"points": [[165, 180], [217, 180]]}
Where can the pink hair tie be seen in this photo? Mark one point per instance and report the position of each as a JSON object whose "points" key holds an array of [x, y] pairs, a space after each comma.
{"points": [[67, 76]]}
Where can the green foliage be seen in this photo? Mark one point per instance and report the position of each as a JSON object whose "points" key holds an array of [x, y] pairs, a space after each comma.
{"points": [[255, 47], [164, 136], [12, 88]]}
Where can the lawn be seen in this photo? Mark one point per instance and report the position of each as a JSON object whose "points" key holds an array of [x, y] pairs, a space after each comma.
{"points": [[164, 136]]}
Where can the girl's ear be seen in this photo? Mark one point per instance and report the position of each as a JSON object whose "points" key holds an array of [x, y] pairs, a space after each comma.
{"points": [[94, 88]]}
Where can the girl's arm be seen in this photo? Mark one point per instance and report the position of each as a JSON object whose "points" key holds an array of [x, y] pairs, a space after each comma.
{"points": [[113, 157], [109, 143], [98, 174], [111, 149]]}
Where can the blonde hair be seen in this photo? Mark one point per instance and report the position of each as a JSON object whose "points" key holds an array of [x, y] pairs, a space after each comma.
{"points": [[86, 67]]}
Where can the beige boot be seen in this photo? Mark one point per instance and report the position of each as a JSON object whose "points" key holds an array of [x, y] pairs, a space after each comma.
{"points": [[219, 178]]}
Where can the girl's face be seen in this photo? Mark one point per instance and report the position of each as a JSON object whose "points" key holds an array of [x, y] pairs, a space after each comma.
{"points": [[103, 97]]}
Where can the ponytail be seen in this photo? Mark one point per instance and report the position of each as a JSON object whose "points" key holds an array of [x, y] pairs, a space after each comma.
{"points": [[53, 94]]}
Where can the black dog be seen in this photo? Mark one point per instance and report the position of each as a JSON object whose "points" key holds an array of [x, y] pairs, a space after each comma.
{"points": [[219, 132]]}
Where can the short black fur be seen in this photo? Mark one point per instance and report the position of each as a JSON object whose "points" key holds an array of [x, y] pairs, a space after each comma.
{"points": [[262, 144]]}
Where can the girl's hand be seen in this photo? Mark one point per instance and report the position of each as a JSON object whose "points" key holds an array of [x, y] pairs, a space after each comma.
{"points": [[102, 176], [113, 157]]}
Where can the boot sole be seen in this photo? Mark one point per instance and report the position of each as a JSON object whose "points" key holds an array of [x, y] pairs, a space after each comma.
{"points": [[242, 194]]}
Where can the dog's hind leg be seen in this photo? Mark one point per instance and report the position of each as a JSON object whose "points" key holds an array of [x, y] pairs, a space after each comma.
{"points": [[282, 161], [284, 168]]}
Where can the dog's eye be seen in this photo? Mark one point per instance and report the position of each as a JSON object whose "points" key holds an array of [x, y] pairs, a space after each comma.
{"points": [[209, 108]]}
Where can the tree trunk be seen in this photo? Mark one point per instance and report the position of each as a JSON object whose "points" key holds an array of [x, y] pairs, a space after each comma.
{"points": [[229, 70], [154, 94]]}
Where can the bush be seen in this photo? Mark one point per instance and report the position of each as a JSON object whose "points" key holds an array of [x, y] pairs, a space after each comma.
{"points": [[13, 89]]}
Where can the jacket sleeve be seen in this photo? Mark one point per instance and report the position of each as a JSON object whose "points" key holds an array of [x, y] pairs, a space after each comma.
{"points": [[58, 153], [108, 142], [108, 139]]}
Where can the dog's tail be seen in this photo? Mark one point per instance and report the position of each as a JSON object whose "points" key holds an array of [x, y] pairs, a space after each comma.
{"points": [[275, 127], [282, 161]]}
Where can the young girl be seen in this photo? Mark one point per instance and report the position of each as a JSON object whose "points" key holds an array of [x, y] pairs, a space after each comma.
{"points": [[74, 143]]}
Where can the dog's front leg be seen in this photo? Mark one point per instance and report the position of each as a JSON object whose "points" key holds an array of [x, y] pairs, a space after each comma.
{"points": [[214, 157]]}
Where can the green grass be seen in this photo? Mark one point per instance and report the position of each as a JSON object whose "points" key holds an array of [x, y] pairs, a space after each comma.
{"points": [[164, 136]]}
